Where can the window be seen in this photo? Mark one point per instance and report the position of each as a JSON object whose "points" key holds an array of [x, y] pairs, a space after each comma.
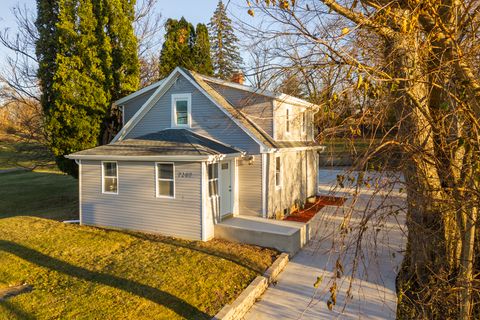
{"points": [[181, 108], [109, 177], [287, 120], [213, 179], [278, 172], [304, 122], [165, 174]]}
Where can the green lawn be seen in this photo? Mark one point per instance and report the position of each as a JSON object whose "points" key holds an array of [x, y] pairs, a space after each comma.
{"points": [[89, 273], [16, 152], [42, 194]]}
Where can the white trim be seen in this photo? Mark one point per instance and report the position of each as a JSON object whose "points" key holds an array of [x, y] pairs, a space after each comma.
{"points": [[157, 195], [264, 185], [137, 93], [108, 157], [278, 186], [236, 194], [159, 93], [239, 124], [173, 111], [162, 88], [123, 116], [80, 191], [103, 177], [203, 209]]}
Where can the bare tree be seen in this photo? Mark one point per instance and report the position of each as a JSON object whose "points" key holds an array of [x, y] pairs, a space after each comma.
{"points": [[421, 55]]}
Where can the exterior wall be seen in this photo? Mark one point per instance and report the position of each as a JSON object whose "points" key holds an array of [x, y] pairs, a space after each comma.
{"points": [[258, 108], [131, 107], [296, 133], [136, 206], [299, 180], [250, 187], [207, 118]]}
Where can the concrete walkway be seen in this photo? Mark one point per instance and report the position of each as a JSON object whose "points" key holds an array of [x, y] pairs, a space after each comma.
{"points": [[372, 294]]}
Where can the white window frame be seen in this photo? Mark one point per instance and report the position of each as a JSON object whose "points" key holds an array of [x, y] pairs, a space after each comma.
{"points": [[181, 97], [209, 180], [157, 179], [288, 120], [103, 177], [278, 184]]}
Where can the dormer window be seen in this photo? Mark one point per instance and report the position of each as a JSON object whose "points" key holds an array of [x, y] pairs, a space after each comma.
{"points": [[181, 110]]}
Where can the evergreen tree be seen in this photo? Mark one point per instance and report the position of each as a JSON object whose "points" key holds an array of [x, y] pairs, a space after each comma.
{"points": [[223, 42], [201, 51], [118, 53], [87, 58], [177, 50]]}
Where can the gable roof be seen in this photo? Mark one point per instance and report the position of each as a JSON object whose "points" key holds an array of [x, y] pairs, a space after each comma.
{"points": [[137, 93], [164, 143], [205, 85]]}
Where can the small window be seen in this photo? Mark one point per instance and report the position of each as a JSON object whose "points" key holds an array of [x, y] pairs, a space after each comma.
{"points": [[287, 120], [181, 108], [165, 180], [278, 172], [110, 177], [213, 179], [304, 122]]}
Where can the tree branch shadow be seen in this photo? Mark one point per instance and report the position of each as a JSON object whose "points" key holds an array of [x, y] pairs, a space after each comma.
{"points": [[177, 305]]}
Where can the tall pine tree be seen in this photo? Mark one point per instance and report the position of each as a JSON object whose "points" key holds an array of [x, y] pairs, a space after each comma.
{"points": [[87, 57], [223, 42], [184, 47], [118, 52]]}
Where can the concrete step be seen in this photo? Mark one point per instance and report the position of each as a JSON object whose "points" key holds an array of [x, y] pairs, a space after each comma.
{"points": [[285, 236]]}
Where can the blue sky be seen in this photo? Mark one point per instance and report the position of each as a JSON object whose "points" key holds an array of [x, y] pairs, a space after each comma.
{"points": [[195, 11]]}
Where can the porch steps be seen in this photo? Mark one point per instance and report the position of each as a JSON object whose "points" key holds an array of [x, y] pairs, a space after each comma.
{"points": [[285, 236]]}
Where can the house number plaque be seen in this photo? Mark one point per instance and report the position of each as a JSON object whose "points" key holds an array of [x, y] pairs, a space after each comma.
{"points": [[184, 175]]}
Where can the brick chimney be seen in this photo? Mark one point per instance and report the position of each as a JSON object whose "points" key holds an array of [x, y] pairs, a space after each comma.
{"points": [[238, 77]]}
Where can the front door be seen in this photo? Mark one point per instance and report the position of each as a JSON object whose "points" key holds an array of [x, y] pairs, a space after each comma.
{"points": [[225, 187]]}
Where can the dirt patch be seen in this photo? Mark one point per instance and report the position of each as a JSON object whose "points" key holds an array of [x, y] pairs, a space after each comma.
{"points": [[13, 291], [311, 209]]}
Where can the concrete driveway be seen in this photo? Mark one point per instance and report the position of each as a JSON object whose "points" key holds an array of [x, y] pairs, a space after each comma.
{"points": [[377, 214]]}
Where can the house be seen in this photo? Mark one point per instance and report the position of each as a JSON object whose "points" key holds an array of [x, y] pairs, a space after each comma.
{"points": [[196, 150]]}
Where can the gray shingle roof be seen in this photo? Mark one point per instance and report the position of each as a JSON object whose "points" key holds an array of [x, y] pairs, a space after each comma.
{"points": [[165, 142]]}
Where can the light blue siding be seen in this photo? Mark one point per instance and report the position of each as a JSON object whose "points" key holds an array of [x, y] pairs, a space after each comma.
{"points": [[136, 206], [207, 119]]}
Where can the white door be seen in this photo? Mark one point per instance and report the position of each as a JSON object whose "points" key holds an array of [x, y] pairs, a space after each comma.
{"points": [[225, 187]]}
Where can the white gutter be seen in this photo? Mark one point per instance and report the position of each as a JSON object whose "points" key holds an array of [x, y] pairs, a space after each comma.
{"points": [[154, 158]]}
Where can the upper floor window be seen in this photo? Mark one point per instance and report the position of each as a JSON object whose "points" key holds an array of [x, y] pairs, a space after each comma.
{"points": [[165, 173], [181, 110], [109, 177], [287, 120], [304, 122]]}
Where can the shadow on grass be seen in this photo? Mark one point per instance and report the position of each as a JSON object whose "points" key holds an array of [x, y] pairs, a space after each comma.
{"points": [[191, 245], [15, 311], [155, 295]]}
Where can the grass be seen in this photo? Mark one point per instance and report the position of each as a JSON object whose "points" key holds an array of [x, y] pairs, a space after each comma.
{"points": [[92, 273], [85, 272], [42, 194], [16, 152]]}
